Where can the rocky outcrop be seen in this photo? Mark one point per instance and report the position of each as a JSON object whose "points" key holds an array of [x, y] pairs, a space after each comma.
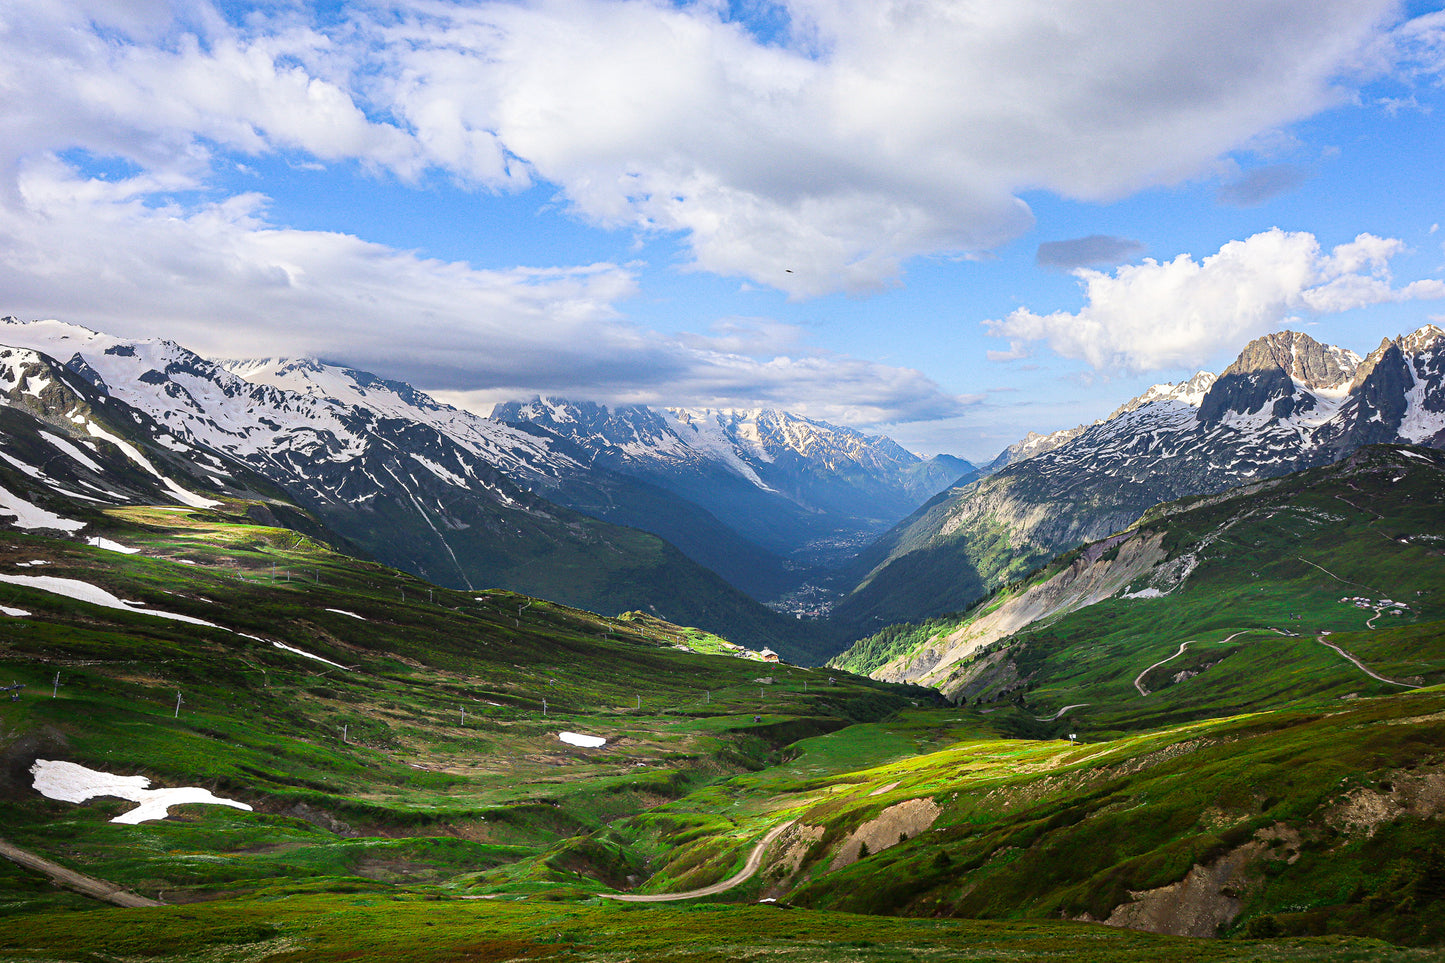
{"points": [[1210, 896], [887, 829]]}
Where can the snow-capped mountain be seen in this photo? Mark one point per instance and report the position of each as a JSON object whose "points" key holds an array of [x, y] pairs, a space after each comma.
{"points": [[414, 483], [68, 451], [528, 458], [1287, 403], [779, 479]]}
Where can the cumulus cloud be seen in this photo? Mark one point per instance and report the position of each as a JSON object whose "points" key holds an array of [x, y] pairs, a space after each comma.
{"points": [[1092, 251], [818, 158], [222, 280], [1178, 313], [877, 131], [132, 81], [1260, 185]]}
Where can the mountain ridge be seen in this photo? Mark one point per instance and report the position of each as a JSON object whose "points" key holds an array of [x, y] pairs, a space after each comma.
{"points": [[1256, 420]]}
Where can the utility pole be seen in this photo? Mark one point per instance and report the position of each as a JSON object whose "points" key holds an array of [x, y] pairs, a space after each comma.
{"points": [[544, 707], [55, 685], [178, 706], [639, 702], [343, 732]]}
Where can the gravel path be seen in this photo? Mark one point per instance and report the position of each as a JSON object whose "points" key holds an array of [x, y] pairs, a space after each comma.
{"points": [[69, 878], [1139, 679], [1361, 666], [1060, 713], [755, 860]]}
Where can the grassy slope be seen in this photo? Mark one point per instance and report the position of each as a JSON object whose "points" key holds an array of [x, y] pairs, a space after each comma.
{"points": [[365, 929], [1029, 829], [1280, 558], [1043, 829], [411, 795]]}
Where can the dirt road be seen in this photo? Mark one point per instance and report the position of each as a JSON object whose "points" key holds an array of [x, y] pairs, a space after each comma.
{"points": [[1361, 666], [86, 885], [755, 860], [1139, 679], [1060, 713]]}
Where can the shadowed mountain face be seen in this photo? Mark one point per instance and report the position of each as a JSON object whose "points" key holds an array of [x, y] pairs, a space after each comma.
{"points": [[1287, 403], [792, 486]]}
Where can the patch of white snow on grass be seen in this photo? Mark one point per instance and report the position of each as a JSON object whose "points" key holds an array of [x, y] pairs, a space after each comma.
{"points": [[303, 654], [1148, 593], [586, 742], [95, 595], [16, 613], [344, 612], [69, 782], [109, 546]]}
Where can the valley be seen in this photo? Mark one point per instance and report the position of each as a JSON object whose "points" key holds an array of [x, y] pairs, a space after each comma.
{"points": [[420, 710]]}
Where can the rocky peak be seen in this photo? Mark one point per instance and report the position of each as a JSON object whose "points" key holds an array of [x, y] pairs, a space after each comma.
{"points": [[1423, 339], [1190, 392], [1278, 371], [1298, 355]]}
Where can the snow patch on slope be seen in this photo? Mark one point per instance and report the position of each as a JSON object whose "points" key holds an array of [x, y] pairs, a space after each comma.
{"points": [[69, 782], [95, 595]]}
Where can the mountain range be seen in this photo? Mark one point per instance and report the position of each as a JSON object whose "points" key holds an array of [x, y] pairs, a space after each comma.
{"points": [[1222, 718], [698, 515], [809, 492], [473, 502], [1287, 403]]}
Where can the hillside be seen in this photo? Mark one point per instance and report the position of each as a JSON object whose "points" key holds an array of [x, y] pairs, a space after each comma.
{"points": [[380, 730], [1286, 404], [1352, 549], [375, 749]]}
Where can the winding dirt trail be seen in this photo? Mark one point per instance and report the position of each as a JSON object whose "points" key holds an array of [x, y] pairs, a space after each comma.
{"points": [[1139, 679], [1361, 666], [70, 879], [1060, 713], [755, 860]]}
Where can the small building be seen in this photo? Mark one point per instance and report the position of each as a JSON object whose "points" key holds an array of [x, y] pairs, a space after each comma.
{"points": [[769, 655]]}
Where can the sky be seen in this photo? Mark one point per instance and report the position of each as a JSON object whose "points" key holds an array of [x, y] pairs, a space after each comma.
{"points": [[948, 221]]}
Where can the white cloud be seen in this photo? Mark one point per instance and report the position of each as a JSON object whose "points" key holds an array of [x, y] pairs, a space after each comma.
{"points": [[128, 81], [878, 132], [1178, 313], [866, 134], [221, 280]]}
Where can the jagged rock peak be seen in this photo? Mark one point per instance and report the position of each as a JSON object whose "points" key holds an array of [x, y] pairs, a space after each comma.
{"points": [[1298, 355], [1035, 444], [1191, 392], [1421, 339]]}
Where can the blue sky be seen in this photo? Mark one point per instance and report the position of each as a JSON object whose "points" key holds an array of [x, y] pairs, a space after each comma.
{"points": [[875, 214]]}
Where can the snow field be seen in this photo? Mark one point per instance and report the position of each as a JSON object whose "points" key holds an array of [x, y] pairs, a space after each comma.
{"points": [[69, 782]]}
